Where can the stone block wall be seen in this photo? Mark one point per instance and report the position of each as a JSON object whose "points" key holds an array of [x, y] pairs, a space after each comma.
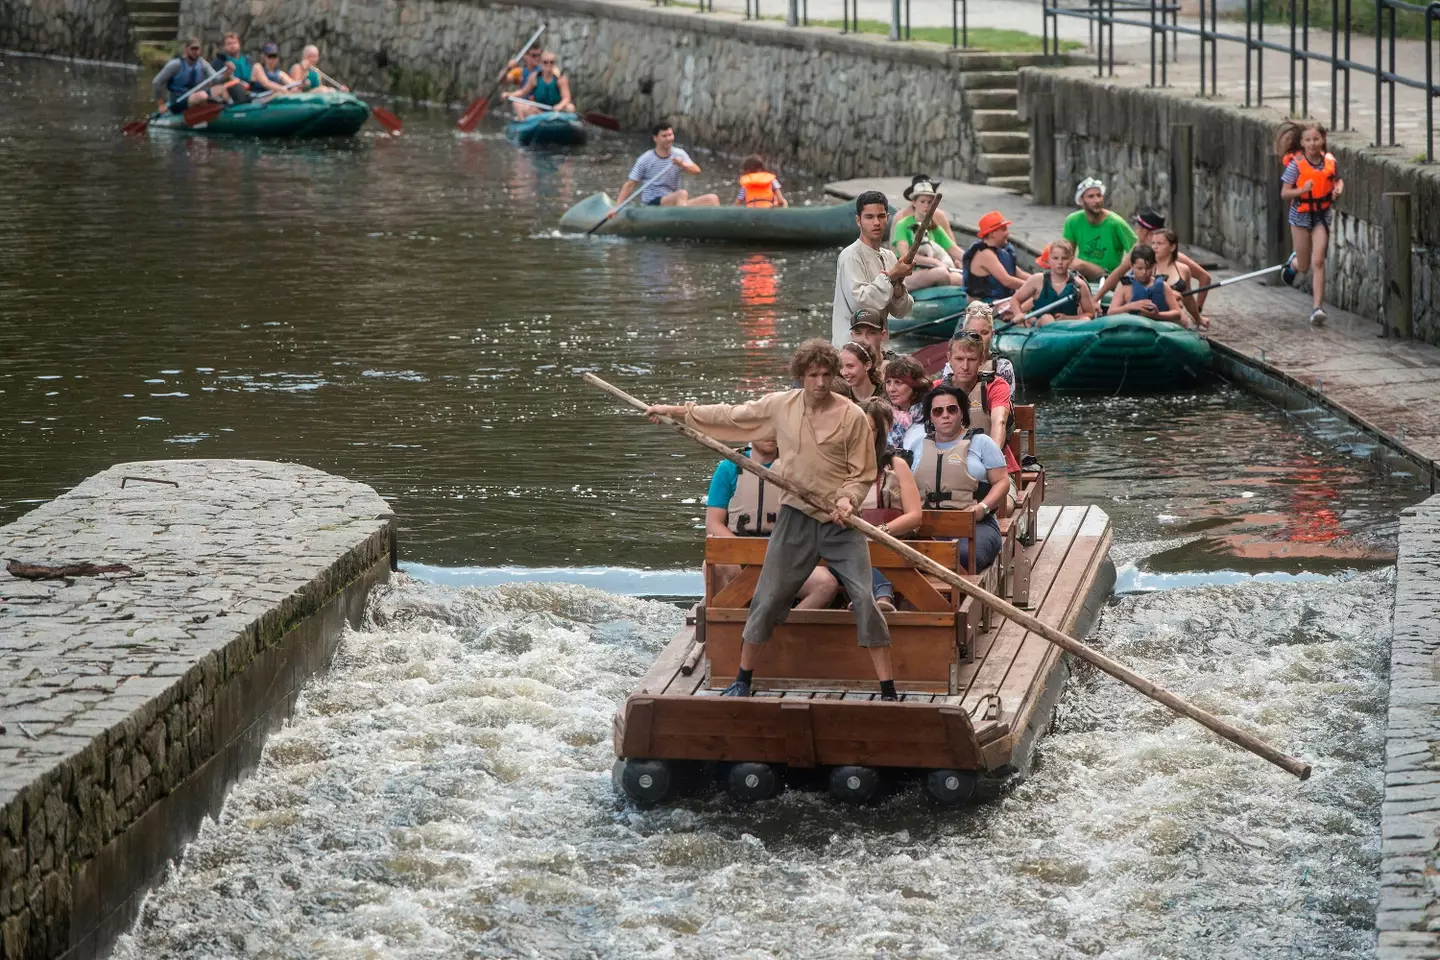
{"points": [[828, 103], [129, 704], [89, 29], [1122, 135]]}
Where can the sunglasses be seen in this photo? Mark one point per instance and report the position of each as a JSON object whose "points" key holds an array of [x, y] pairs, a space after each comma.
{"points": [[948, 411], [547, 63], [192, 49], [968, 335]]}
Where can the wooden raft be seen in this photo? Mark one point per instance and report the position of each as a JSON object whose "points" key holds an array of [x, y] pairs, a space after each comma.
{"points": [[969, 702]]}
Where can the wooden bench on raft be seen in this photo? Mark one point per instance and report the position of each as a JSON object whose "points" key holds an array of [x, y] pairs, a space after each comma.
{"points": [[817, 648]]}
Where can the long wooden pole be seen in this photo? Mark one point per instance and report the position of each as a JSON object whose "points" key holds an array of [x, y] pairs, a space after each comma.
{"points": [[1011, 612]]}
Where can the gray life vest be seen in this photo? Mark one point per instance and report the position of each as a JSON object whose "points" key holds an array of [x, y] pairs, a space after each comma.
{"points": [[884, 495], [755, 506], [944, 482]]}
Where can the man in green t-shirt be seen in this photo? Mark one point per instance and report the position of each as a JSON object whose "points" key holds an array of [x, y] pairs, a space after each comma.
{"points": [[1101, 237]]}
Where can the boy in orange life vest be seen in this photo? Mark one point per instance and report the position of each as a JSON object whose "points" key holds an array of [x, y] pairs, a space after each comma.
{"points": [[1312, 183], [758, 186]]}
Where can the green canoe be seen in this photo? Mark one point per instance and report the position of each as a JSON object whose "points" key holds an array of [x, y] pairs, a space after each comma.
{"points": [[325, 113], [1113, 354], [934, 315], [822, 226]]}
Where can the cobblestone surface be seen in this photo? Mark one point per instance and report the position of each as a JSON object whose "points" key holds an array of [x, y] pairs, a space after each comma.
{"points": [[105, 682], [1409, 914]]}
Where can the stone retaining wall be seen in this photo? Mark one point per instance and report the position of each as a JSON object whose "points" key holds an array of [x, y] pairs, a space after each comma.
{"points": [[1409, 914], [90, 29], [1122, 135], [129, 705], [809, 98]]}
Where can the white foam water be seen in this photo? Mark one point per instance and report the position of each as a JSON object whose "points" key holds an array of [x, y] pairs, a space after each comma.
{"points": [[445, 791]]}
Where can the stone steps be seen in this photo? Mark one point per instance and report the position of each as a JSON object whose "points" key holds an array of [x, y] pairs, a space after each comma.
{"points": [[154, 21], [994, 98]]}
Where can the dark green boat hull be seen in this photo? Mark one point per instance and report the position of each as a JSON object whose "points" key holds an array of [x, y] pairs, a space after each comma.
{"points": [[928, 318], [291, 116], [1111, 354], [817, 226]]}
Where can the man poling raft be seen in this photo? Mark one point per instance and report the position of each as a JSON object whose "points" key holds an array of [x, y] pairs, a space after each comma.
{"points": [[816, 504]]}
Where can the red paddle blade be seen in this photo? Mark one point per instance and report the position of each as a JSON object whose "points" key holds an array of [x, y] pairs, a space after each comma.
{"points": [[202, 114], [470, 119], [387, 120], [601, 120], [135, 127]]}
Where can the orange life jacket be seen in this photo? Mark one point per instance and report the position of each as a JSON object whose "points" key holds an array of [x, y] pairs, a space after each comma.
{"points": [[1320, 182], [759, 189]]}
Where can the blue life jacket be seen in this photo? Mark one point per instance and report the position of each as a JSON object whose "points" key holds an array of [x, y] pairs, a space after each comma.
{"points": [[186, 77], [547, 91], [274, 76], [1155, 292], [987, 287]]}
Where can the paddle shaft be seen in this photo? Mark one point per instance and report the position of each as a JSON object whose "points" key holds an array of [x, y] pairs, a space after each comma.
{"points": [[1114, 668], [1036, 312], [626, 202], [477, 107], [1224, 283]]}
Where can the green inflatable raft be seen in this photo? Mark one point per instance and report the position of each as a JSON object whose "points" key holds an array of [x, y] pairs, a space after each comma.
{"points": [[934, 316], [325, 113], [829, 225], [1127, 354]]}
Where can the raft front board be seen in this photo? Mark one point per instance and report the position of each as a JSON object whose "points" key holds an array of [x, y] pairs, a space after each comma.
{"points": [[1008, 691]]}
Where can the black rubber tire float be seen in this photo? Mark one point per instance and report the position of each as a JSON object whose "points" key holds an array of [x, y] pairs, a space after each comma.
{"points": [[854, 784], [749, 782], [950, 788], [647, 782]]}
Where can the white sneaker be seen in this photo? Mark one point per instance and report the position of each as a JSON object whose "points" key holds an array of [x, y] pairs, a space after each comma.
{"points": [[1317, 316]]}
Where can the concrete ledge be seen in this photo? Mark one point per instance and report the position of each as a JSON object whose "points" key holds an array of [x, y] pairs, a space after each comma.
{"points": [[1408, 917], [130, 704]]}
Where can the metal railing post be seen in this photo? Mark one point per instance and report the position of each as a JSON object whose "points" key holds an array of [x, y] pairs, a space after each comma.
{"points": [[1249, 48], [1260, 62], [894, 18], [1202, 48], [1392, 75], [1347, 64], [1335, 64], [1152, 42], [1379, 117], [1305, 62], [1292, 56]]}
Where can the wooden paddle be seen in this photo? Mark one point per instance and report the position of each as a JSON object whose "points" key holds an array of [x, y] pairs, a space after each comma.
{"points": [[1117, 670], [385, 118], [628, 200], [592, 117], [471, 117]]}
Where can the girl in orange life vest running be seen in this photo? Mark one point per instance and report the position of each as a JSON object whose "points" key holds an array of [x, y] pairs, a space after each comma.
{"points": [[1312, 183], [758, 186]]}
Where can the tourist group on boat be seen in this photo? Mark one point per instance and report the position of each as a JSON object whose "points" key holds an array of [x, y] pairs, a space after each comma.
{"points": [[231, 77]]}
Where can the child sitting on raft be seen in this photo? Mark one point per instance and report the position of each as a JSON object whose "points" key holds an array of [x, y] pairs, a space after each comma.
{"points": [[1066, 292], [758, 186]]}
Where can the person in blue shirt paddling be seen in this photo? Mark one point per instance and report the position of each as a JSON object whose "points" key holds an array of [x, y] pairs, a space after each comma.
{"points": [[669, 161], [174, 86], [739, 505]]}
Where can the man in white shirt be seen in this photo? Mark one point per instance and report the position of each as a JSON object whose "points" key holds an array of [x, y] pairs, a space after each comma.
{"points": [[869, 276], [668, 161]]}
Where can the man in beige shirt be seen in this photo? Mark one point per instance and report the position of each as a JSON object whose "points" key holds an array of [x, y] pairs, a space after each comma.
{"points": [[868, 275], [826, 445]]}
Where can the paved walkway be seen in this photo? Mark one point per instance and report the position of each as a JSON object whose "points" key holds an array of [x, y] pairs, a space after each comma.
{"points": [[1390, 385], [1132, 56]]}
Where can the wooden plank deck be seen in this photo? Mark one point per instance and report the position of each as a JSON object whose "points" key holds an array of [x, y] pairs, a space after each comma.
{"points": [[672, 715]]}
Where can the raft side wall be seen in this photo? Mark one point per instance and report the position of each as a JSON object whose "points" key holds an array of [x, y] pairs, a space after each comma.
{"points": [[808, 98], [1122, 135], [131, 705]]}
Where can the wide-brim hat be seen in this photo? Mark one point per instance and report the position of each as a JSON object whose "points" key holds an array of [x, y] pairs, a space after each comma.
{"points": [[1149, 219], [991, 222], [921, 185]]}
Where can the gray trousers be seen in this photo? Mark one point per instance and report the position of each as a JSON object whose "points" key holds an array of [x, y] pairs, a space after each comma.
{"points": [[796, 544]]}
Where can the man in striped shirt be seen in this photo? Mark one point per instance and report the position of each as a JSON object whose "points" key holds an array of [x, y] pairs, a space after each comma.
{"points": [[667, 161]]}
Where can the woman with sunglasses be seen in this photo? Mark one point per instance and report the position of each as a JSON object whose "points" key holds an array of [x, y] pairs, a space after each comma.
{"points": [[957, 467], [267, 75], [548, 86]]}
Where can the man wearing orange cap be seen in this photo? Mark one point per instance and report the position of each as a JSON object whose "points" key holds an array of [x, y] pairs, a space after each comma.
{"points": [[991, 272]]}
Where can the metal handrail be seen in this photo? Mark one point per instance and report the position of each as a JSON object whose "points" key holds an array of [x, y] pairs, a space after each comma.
{"points": [[1103, 18]]}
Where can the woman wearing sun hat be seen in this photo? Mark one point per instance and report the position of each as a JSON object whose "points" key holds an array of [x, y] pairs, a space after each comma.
{"points": [[991, 272], [934, 261], [941, 220]]}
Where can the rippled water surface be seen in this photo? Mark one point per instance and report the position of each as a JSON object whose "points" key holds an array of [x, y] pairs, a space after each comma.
{"points": [[403, 312]]}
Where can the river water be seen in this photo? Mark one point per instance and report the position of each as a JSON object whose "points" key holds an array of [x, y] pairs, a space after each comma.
{"points": [[403, 312]]}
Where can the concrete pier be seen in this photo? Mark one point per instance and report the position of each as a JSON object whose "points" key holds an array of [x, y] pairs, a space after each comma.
{"points": [[131, 700]]}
